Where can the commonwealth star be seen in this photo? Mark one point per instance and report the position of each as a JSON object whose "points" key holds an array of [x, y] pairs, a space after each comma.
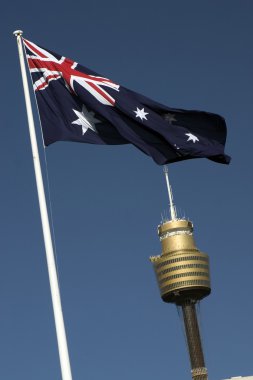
{"points": [[86, 119]]}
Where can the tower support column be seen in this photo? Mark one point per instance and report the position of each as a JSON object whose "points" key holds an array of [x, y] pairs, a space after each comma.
{"points": [[199, 371]]}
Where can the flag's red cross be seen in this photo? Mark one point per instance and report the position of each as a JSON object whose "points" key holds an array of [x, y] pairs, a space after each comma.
{"points": [[53, 69]]}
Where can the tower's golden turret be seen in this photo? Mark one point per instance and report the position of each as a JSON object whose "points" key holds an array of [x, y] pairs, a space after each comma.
{"points": [[182, 270]]}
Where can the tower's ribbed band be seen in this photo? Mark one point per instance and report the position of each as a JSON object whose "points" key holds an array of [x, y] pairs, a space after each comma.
{"points": [[182, 270]]}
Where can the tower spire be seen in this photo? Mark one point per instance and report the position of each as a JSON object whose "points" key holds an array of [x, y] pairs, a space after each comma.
{"points": [[173, 211]]}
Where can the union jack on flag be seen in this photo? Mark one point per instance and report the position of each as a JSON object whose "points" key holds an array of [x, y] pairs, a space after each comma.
{"points": [[77, 104], [52, 67]]}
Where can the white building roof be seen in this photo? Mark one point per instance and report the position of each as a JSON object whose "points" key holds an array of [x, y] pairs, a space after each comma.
{"points": [[240, 378]]}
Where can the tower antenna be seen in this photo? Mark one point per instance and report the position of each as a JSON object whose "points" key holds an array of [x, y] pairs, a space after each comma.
{"points": [[173, 211]]}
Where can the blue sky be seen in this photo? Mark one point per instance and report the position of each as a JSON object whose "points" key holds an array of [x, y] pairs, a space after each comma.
{"points": [[107, 201]]}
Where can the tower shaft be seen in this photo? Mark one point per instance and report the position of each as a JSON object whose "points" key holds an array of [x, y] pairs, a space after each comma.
{"points": [[199, 371]]}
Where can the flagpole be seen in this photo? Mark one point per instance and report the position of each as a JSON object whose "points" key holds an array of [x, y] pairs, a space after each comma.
{"points": [[53, 279]]}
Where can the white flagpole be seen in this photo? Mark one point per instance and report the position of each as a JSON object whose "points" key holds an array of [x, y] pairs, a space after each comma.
{"points": [[53, 279]]}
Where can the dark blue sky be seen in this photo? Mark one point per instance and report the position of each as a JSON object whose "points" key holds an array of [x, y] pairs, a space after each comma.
{"points": [[107, 201]]}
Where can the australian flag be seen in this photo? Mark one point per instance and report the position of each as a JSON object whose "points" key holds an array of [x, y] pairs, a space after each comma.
{"points": [[77, 104]]}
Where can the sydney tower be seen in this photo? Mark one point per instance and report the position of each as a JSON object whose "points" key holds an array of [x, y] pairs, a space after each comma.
{"points": [[182, 273]]}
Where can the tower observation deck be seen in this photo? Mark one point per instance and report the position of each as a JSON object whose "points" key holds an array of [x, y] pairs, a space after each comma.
{"points": [[182, 273]]}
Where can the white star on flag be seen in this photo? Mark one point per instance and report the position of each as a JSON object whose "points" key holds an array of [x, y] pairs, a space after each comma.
{"points": [[141, 113], [191, 137], [170, 117], [86, 119]]}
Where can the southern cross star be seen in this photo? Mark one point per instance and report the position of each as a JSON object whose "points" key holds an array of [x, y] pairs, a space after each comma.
{"points": [[86, 119], [191, 137], [141, 113], [170, 117]]}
